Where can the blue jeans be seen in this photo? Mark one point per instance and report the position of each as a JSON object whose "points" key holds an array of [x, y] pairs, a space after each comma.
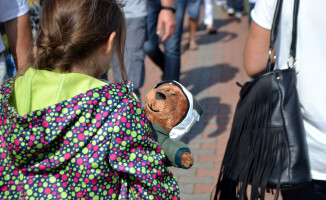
{"points": [[313, 191], [169, 61], [235, 4]]}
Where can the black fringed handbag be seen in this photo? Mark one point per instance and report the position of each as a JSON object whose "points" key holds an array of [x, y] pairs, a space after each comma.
{"points": [[267, 147]]}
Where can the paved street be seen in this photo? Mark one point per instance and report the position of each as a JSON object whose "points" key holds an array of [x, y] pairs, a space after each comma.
{"points": [[210, 73]]}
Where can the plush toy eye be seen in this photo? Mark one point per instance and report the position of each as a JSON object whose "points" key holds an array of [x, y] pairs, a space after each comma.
{"points": [[173, 95], [167, 90]]}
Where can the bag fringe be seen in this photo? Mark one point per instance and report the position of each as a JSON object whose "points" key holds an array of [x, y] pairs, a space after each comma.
{"points": [[254, 149]]}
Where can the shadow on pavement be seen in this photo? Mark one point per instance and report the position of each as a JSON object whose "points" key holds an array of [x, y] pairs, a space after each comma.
{"points": [[207, 76], [222, 117], [220, 36], [219, 112], [204, 78], [218, 23], [202, 39]]}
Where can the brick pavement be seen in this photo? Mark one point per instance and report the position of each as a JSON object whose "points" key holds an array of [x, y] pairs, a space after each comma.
{"points": [[210, 73]]}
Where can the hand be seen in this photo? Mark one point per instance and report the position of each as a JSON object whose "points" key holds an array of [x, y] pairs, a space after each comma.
{"points": [[166, 24], [187, 159]]}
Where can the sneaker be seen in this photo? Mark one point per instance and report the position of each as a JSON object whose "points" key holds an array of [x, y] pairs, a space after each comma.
{"points": [[238, 15], [211, 29], [230, 11]]}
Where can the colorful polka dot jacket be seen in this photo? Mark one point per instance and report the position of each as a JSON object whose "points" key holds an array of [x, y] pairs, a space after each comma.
{"points": [[96, 145]]}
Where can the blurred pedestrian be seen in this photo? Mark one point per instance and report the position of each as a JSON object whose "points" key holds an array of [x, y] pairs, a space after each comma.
{"points": [[193, 7], [209, 16], [235, 7], [135, 13], [14, 15], [168, 60], [34, 16]]}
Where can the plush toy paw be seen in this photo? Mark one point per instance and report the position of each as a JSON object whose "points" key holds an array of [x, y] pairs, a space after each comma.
{"points": [[187, 159], [173, 110]]}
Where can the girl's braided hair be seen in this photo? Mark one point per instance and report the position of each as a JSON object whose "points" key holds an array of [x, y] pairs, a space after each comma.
{"points": [[70, 31]]}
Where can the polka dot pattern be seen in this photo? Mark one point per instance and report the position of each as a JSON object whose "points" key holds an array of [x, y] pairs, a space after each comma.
{"points": [[96, 145]]}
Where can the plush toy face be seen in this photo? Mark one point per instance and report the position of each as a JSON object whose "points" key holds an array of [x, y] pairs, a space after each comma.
{"points": [[166, 105]]}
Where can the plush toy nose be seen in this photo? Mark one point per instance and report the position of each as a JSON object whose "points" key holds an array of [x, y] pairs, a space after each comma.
{"points": [[160, 96]]}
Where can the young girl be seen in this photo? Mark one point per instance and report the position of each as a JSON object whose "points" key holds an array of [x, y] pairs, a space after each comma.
{"points": [[67, 135]]}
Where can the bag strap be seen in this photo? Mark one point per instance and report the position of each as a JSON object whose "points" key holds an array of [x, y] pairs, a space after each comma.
{"points": [[275, 24], [274, 32], [293, 50]]}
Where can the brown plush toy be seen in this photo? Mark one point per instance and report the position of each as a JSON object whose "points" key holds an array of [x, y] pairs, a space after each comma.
{"points": [[172, 110]]}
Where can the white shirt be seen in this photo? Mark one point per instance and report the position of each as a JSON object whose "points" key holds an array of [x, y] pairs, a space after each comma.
{"points": [[10, 9], [311, 68]]}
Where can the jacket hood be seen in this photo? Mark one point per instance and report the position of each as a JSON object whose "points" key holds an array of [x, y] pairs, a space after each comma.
{"points": [[46, 139]]}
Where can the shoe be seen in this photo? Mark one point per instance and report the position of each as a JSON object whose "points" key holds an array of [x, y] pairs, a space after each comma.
{"points": [[211, 29], [238, 15], [193, 45], [230, 11]]}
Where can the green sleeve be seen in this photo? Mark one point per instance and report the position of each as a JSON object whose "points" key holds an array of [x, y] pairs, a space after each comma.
{"points": [[173, 149]]}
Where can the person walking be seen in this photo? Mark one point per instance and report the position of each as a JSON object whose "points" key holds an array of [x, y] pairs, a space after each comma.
{"points": [[168, 60], [193, 7], [235, 7], [208, 17], [310, 66], [135, 13]]}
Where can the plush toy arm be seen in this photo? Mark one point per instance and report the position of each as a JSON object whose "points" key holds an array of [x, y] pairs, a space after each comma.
{"points": [[173, 149]]}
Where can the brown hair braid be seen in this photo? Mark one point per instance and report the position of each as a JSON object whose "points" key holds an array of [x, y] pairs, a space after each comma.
{"points": [[72, 29]]}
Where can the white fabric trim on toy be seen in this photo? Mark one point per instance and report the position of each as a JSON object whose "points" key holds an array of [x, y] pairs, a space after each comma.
{"points": [[192, 115]]}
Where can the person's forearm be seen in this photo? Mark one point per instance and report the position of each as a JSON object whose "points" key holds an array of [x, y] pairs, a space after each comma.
{"points": [[20, 39], [167, 3], [256, 50]]}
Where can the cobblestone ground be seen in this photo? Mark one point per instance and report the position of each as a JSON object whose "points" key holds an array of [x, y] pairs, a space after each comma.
{"points": [[210, 73]]}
